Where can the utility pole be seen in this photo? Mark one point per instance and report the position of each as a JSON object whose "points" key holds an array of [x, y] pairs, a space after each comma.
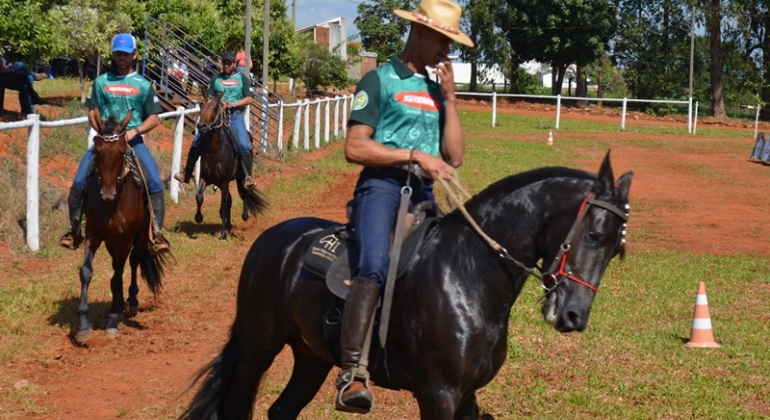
{"points": [[692, 57], [265, 44], [247, 42], [294, 13]]}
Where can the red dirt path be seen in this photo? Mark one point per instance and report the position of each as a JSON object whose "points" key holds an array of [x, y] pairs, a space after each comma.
{"points": [[683, 201]]}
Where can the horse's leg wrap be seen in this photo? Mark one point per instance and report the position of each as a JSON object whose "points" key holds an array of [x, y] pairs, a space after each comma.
{"points": [[73, 237], [353, 381], [159, 244]]}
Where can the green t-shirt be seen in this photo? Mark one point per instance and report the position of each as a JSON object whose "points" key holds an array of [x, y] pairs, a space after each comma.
{"points": [[235, 86], [405, 109], [112, 94]]}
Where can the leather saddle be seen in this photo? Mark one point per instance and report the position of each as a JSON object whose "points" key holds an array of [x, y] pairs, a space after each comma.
{"points": [[329, 256]]}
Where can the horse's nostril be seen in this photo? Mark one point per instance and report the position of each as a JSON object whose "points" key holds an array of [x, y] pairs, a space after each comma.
{"points": [[573, 317]]}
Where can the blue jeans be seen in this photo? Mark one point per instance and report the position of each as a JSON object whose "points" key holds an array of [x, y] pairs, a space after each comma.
{"points": [[239, 128], [152, 175], [375, 209]]}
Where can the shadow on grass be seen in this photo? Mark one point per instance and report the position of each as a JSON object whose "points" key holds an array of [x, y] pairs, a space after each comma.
{"points": [[195, 230], [98, 313]]}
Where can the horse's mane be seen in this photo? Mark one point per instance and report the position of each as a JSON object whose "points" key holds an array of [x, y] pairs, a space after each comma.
{"points": [[514, 182], [109, 124]]}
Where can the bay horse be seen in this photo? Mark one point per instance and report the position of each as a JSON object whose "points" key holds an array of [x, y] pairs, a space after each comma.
{"points": [[117, 214], [450, 309], [220, 164]]}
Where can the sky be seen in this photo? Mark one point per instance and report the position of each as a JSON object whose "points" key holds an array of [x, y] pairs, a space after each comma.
{"points": [[310, 12]]}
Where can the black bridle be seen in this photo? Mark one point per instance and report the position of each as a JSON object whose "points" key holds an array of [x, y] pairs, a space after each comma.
{"points": [[112, 138], [222, 119], [557, 274]]}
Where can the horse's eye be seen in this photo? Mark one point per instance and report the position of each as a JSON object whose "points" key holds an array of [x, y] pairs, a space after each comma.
{"points": [[594, 235]]}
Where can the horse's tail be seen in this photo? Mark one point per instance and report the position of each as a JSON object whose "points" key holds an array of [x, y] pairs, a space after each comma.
{"points": [[254, 202], [218, 380], [152, 267]]}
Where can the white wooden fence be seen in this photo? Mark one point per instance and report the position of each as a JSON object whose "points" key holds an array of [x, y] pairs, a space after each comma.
{"points": [[33, 124]]}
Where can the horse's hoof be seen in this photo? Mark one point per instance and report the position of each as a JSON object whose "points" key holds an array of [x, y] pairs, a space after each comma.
{"points": [[82, 335], [198, 218], [223, 239], [131, 311], [112, 332], [245, 216]]}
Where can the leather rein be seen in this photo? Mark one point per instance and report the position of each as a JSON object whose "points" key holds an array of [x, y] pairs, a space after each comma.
{"points": [[557, 267]]}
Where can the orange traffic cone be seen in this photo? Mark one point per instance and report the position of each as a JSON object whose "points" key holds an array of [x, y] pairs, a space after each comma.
{"points": [[701, 335], [550, 138]]}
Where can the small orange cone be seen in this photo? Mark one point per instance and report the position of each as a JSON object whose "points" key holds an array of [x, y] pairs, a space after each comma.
{"points": [[550, 138], [701, 334]]}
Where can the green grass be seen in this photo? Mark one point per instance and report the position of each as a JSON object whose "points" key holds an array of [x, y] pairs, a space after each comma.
{"points": [[630, 364]]}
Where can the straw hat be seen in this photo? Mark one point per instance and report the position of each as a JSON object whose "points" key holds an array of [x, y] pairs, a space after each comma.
{"points": [[440, 15]]}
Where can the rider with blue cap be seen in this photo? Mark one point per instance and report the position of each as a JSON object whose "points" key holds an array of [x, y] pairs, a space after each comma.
{"points": [[114, 93]]}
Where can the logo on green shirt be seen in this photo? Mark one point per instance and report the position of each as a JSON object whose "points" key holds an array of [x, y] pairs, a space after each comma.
{"points": [[360, 101]]}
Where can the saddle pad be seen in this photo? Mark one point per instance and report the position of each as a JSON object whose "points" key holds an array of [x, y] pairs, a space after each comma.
{"points": [[326, 248]]}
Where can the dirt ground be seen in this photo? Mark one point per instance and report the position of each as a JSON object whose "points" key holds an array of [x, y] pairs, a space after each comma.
{"points": [[672, 202]]}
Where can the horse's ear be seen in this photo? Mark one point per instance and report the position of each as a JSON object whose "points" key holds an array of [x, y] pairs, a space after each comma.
{"points": [[624, 185], [220, 95], [98, 119], [126, 119], [605, 180], [205, 94]]}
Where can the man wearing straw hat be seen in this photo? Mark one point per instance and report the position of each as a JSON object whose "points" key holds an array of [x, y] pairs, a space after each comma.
{"points": [[404, 129]]}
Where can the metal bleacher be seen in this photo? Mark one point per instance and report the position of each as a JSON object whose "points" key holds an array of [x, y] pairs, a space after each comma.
{"points": [[181, 67]]}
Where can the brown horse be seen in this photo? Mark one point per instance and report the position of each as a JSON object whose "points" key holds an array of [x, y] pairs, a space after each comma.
{"points": [[116, 214], [220, 164]]}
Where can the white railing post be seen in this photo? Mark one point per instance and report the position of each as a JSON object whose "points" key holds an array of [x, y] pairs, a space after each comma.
{"points": [[197, 161], [695, 121], [91, 134], [345, 116], [689, 115], [494, 109], [623, 115], [558, 110], [307, 124], [279, 141], [176, 157], [317, 139], [33, 195], [326, 121], [756, 123], [336, 116], [297, 119]]}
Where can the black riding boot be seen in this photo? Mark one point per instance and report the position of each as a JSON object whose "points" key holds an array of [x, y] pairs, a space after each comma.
{"points": [[248, 163], [73, 237], [159, 244], [185, 174], [353, 380]]}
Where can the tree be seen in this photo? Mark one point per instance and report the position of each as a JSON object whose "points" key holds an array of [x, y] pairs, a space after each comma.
{"points": [[380, 30], [86, 28], [28, 29], [481, 21], [322, 68]]}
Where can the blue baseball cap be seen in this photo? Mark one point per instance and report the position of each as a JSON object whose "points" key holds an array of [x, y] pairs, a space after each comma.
{"points": [[124, 43]]}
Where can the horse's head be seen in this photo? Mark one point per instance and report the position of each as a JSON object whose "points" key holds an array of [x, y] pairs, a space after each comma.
{"points": [[595, 236], [211, 113], [110, 145]]}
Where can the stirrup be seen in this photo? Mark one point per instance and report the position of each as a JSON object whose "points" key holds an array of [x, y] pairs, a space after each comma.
{"points": [[249, 183], [347, 378], [159, 245]]}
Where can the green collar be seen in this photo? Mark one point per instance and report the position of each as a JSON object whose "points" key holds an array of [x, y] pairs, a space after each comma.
{"points": [[402, 70]]}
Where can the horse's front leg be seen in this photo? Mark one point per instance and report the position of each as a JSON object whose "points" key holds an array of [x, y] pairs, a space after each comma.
{"points": [[199, 201], [84, 329], [437, 403], [224, 211], [469, 410], [133, 289], [119, 257]]}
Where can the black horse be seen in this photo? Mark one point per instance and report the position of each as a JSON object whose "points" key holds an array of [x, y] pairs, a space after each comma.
{"points": [[449, 319], [221, 164]]}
